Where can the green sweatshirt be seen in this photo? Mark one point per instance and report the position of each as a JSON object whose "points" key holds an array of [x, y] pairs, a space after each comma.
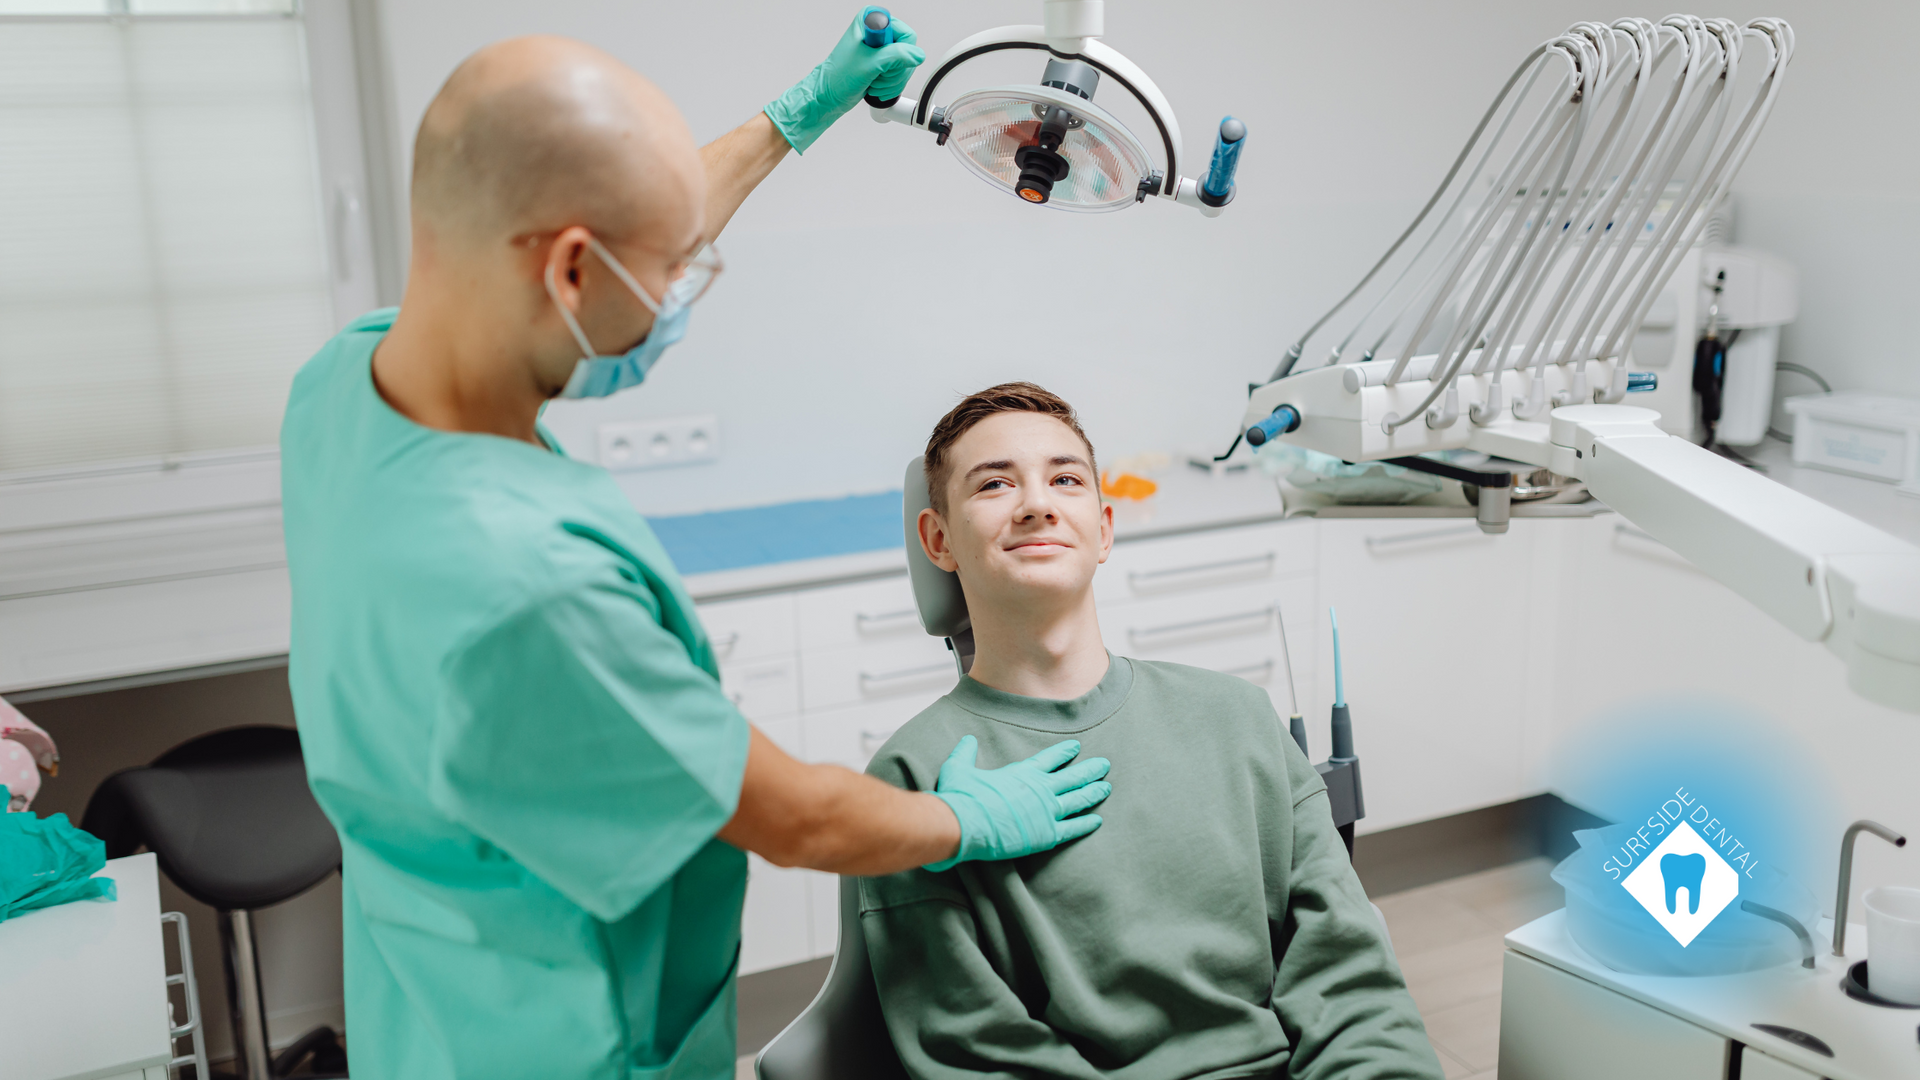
{"points": [[1213, 927]]}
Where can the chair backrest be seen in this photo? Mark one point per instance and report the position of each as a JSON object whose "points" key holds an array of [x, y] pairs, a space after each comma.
{"points": [[841, 1035], [936, 592]]}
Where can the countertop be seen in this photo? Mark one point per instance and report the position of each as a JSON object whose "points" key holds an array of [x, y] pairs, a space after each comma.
{"points": [[1189, 500], [1869, 1042], [1873, 501], [83, 985]]}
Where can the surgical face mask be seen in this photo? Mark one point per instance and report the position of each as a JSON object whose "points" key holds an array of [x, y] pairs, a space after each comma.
{"points": [[599, 376]]}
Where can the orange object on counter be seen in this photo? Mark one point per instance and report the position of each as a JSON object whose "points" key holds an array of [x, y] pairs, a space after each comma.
{"points": [[1126, 486]]}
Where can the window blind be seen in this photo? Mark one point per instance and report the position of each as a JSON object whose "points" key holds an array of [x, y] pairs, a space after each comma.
{"points": [[163, 260]]}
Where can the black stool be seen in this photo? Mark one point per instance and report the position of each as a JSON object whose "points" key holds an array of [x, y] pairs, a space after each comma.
{"points": [[231, 820]]}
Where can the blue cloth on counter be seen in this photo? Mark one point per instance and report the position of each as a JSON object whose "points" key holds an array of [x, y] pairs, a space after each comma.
{"points": [[46, 861], [784, 532]]}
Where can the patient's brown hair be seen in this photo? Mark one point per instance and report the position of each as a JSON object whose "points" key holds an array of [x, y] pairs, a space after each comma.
{"points": [[1007, 397]]}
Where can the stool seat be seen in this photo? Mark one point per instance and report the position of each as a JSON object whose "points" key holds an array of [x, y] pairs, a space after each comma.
{"points": [[228, 814], [232, 822]]}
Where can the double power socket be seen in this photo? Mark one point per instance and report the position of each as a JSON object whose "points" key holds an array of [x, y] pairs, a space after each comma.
{"points": [[655, 444]]}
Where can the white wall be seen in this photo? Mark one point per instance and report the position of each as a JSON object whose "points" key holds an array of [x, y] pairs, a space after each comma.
{"points": [[873, 281]]}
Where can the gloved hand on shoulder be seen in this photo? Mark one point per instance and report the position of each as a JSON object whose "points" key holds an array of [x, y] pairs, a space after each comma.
{"points": [[1022, 808], [850, 72]]}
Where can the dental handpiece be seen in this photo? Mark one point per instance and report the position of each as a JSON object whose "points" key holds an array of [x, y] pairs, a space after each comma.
{"points": [[876, 30]]}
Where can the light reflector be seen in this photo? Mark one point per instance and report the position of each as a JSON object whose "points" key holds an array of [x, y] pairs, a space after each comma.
{"points": [[1106, 163]]}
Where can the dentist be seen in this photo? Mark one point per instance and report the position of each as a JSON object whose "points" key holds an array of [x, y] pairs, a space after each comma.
{"points": [[508, 706]]}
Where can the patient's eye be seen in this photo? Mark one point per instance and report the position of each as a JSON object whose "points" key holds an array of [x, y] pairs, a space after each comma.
{"points": [[1070, 480], [992, 485]]}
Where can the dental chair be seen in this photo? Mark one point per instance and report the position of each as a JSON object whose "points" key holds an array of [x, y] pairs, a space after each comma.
{"points": [[842, 1033]]}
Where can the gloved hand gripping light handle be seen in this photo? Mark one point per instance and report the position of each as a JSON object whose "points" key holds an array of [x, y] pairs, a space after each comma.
{"points": [[1217, 188], [876, 30]]}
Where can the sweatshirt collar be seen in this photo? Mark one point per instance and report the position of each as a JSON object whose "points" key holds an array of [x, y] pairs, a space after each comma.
{"points": [[1046, 714]]}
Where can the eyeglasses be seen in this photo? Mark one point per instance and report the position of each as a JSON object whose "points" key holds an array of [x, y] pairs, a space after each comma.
{"points": [[691, 281]]}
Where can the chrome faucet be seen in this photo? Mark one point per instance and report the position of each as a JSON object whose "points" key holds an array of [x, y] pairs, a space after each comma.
{"points": [[1846, 875]]}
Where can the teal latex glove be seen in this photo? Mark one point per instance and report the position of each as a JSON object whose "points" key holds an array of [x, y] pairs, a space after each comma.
{"points": [[46, 861], [849, 73], [1022, 808]]}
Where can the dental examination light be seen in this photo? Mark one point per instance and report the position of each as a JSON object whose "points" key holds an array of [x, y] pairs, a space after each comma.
{"points": [[1502, 320], [1047, 142]]}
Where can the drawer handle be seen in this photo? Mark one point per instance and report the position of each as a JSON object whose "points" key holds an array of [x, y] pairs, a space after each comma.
{"points": [[1374, 543], [1264, 615], [1246, 671], [891, 680], [1149, 578], [736, 696], [886, 621], [723, 643], [872, 741]]}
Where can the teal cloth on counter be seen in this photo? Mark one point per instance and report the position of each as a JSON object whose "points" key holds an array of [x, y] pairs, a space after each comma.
{"points": [[784, 532], [46, 861]]}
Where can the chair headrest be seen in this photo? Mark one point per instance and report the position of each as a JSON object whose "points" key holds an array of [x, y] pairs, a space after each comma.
{"points": [[936, 592]]}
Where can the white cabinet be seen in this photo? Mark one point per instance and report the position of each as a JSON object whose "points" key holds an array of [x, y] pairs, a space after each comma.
{"points": [[1233, 629], [1434, 638], [1757, 1065], [1558, 1026]]}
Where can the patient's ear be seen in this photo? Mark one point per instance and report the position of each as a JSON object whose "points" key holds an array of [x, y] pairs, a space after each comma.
{"points": [[934, 540], [1106, 529]]}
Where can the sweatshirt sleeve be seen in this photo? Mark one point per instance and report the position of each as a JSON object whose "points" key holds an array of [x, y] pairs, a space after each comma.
{"points": [[1338, 990]]}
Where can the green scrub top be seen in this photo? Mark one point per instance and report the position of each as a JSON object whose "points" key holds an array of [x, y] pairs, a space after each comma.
{"points": [[512, 716]]}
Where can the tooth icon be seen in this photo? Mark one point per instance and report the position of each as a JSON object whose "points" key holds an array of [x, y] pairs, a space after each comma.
{"points": [[1683, 871]]}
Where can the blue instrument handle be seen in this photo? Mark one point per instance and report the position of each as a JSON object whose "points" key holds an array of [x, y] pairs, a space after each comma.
{"points": [[1226, 158], [876, 30]]}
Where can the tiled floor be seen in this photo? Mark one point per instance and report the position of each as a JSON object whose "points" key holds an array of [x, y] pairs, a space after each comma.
{"points": [[1448, 938]]}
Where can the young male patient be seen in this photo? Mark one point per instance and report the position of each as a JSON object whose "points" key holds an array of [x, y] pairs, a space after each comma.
{"points": [[1213, 926]]}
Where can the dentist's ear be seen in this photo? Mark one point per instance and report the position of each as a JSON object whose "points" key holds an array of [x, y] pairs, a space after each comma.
{"points": [[934, 540]]}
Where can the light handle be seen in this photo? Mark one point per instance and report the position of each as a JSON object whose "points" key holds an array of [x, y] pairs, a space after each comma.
{"points": [[1217, 188], [876, 31]]}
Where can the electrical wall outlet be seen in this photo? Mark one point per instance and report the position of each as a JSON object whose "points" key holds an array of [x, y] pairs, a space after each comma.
{"points": [[654, 444]]}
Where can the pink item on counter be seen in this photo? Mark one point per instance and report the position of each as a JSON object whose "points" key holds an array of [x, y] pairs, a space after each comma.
{"points": [[23, 746]]}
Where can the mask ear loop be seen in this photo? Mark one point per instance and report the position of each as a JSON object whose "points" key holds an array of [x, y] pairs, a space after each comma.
{"points": [[619, 271]]}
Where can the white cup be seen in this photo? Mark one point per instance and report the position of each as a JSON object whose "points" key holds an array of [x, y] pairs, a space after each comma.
{"points": [[1893, 943]]}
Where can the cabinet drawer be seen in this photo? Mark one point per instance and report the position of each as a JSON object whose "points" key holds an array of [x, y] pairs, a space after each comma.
{"points": [[909, 667], [851, 736], [1181, 564], [763, 689], [1235, 631], [1149, 628], [749, 629], [1558, 1026], [868, 612]]}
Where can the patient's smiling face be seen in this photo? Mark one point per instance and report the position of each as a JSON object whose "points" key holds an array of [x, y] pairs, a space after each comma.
{"points": [[1024, 514]]}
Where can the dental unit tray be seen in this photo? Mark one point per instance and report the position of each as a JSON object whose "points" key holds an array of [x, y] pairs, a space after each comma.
{"points": [[1047, 142]]}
